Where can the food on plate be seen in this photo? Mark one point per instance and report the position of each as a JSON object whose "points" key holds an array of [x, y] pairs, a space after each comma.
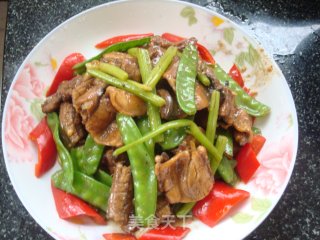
{"points": [[149, 132]]}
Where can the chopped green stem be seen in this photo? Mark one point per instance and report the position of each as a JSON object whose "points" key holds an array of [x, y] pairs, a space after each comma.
{"points": [[113, 71], [220, 146], [213, 115], [193, 129], [128, 86], [185, 209], [161, 66], [204, 79], [103, 177]]}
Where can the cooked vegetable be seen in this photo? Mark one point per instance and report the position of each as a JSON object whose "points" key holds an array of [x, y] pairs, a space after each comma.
{"points": [[113, 71], [65, 71], [47, 151], [128, 86], [203, 79], [120, 47], [84, 187], [63, 153], [103, 177], [142, 167], [247, 163], [220, 145], [227, 172], [166, 233], [122, 38], [257, 143], [243, 100], [218, 203], [144, 128], [235, 73], [173, 138], [229, 146], [164, 62], [90, 155], [213, 115], [118, 236], [69, 206], [193, 129], [186, 79]]}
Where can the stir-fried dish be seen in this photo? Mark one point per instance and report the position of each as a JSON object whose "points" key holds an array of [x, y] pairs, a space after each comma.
{"points": [[150, 128]]}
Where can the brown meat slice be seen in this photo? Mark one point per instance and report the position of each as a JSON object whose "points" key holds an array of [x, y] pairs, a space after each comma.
{"points": [[98, 123], [111, 161], [202, 97], [227, 108], [63, 94], [72, 130], [163, 208], [186, 177], [171, 73], [120, 203], [110, 136], [124, 61], [126, 103]]}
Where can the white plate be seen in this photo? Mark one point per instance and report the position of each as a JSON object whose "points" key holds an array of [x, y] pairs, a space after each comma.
{"points": [[229, 44]]}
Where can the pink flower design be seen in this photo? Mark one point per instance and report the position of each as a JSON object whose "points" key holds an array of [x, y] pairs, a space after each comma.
{"points": [[28, 84], [18, 125], [275, 159]]}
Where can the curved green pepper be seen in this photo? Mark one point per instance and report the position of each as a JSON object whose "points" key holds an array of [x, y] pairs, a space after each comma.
{"points": [[63, 153], [243, 99], [186, 79], [84, 187], [142, 167]]}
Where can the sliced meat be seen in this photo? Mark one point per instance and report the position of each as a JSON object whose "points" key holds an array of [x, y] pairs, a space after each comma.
{"points": [[161, 42], [201, 96], [155, 53], [186, 177], [163, 210], [227, 108], [111, 161], [120, 203], [98, 123], [63, 94], [126, 103], [171, 109], [72, 130], [110, 136], [86, 97], [171, 74], [124, 61]]}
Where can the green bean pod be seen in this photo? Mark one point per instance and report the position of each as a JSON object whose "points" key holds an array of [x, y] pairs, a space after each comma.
{"points": [[129, 87], [117, 47], [103, 177], [63, 153], [113, 71], [145, 128], [186, 79], [84, 187], [220, 145], [227, 172], [173, 138], [90, 158], [203, 79], [142, 167], [243, 99]]}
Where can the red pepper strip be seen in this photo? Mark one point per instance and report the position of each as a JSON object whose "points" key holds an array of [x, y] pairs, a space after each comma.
{"points": [[69, 206], [166, 233], [247, 162], [221, 199], [123, 38], [236, 75], [257, 143], [47, 151], [118, 236], [65, 71], [203, 51]]}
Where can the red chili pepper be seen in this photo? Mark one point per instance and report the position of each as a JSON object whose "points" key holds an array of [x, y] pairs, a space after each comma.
{"points": [[203, 51], [221, 199], [47, 151], [69, 206], [166, 233], [118, 236], [257, 143], [123, 38], [65, 71], [247, 162], [236, 75]]}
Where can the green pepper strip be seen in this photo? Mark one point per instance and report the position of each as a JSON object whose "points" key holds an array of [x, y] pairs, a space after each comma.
{"points": [[186, 79], [113, 71], [63, 153], [117, 47], [193, 129], [204, 79], [161, 66], [103, 177], [90, 158], [84, 187], [145, 66], [129, 87], [145, 128], [243, 100], [142, 167], [227, 172]]}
